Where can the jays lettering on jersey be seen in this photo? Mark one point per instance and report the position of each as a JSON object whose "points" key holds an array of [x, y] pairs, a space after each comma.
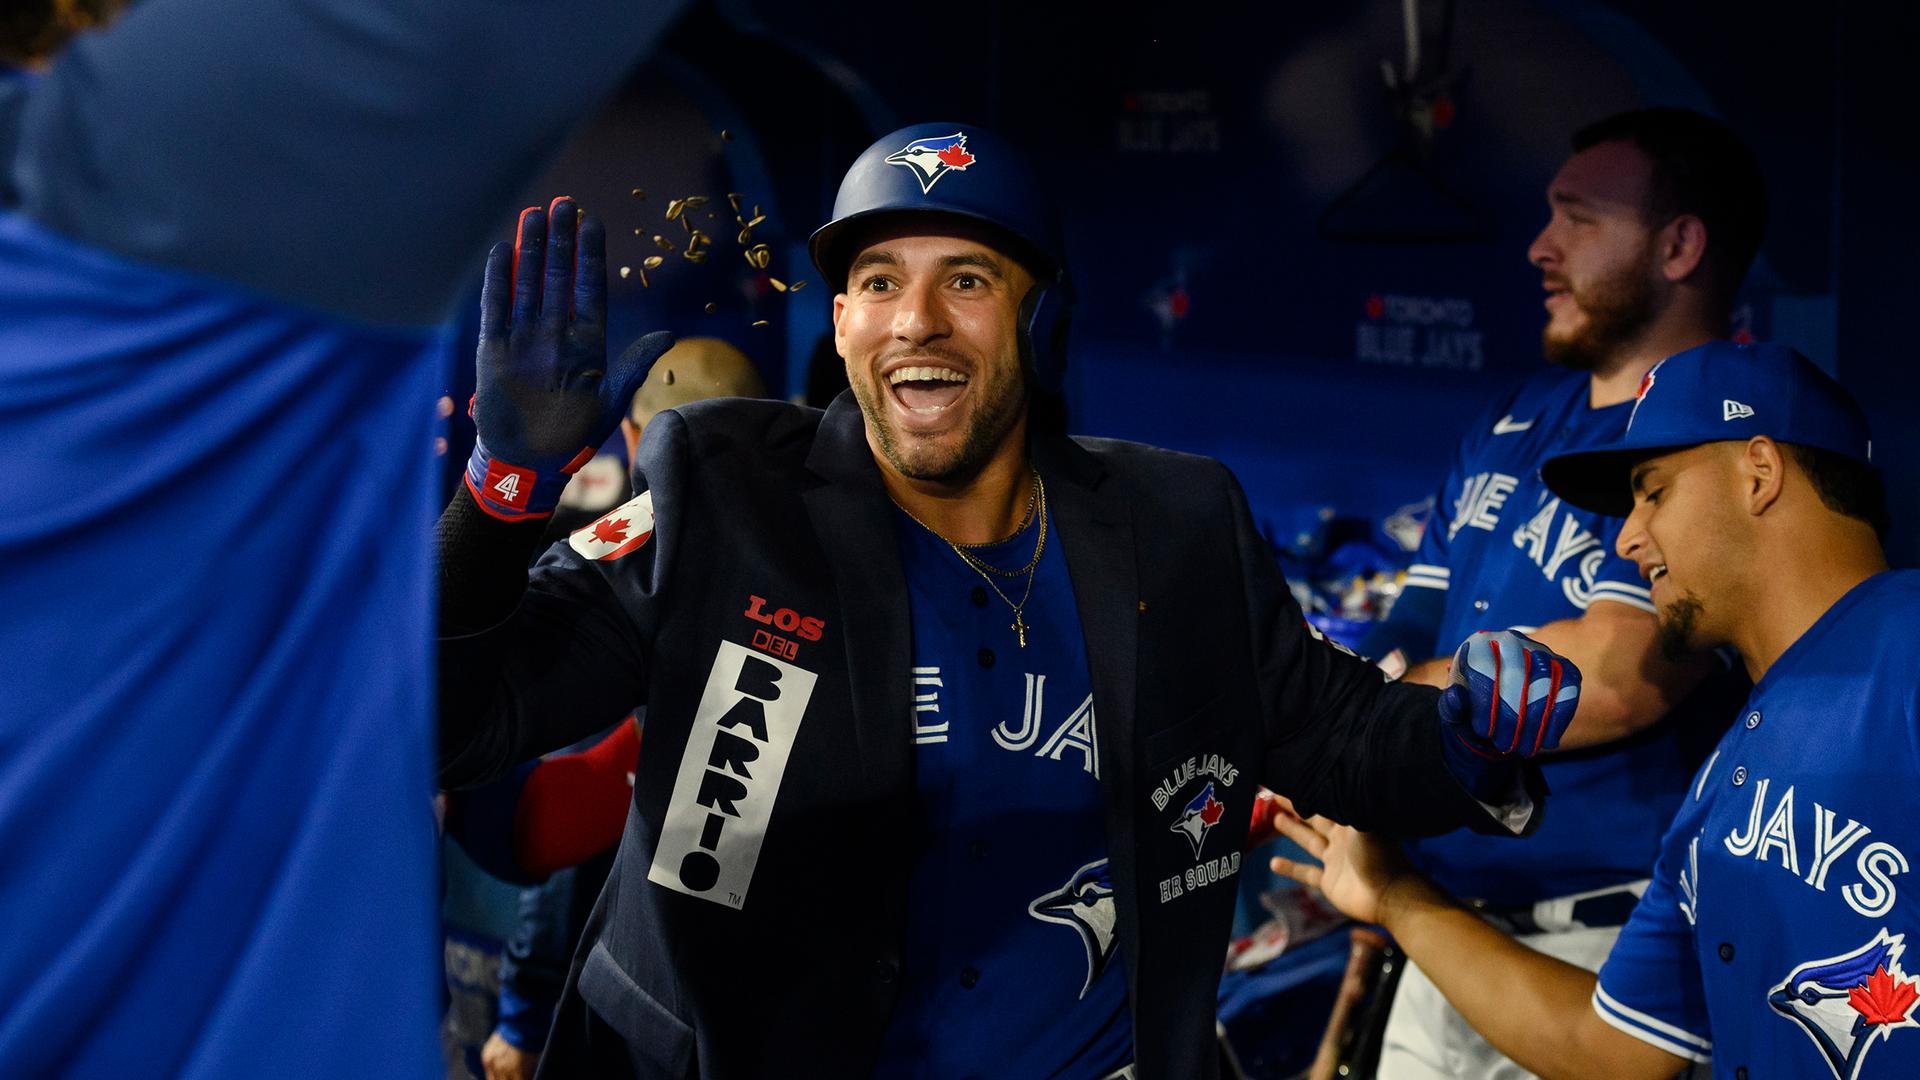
{"points": [[1010, 967], [1777, 934], [1506, 552]]}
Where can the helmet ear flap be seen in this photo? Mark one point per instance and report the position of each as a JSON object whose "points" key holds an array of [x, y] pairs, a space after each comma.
{"points": [[1046, 317]]}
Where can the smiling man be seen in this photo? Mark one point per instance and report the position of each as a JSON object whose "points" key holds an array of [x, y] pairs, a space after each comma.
{"points": [[944, 705], [1652, 222], [1774, 936]]}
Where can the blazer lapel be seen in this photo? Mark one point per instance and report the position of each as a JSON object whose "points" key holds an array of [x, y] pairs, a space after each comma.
{"points": [[1095, 523], [852, 519]]}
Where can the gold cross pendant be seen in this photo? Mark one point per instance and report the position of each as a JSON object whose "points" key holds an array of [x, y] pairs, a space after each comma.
{"points": [[1020, 627]]}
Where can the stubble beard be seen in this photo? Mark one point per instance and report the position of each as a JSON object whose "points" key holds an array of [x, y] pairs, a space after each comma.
{"points": [[1679, 625], [1618, 309], [995, 413]]}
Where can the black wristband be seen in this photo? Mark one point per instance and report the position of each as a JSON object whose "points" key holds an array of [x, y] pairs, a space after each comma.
{"points": [[483, 564]]}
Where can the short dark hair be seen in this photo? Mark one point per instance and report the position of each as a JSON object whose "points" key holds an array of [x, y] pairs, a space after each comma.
{"points": [[1845, 486], [1700, 167], [36, 29]]}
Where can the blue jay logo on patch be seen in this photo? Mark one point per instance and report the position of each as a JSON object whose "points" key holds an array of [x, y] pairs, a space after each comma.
{"points": [[1085, 903], [930, 159], [1846, 1004], [1199, 817]]}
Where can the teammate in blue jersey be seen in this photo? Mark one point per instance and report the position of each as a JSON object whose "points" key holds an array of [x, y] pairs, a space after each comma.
{"points": [[954, 718], [232, 230], [1653, 222], [1774, 937]]}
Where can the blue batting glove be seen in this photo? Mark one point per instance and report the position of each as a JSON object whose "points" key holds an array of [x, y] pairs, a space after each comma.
{"points": [[1510, 697], [546, 399]]}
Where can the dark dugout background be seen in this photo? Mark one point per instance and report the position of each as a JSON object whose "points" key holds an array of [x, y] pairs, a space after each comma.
{"points": [[1282, 261]]}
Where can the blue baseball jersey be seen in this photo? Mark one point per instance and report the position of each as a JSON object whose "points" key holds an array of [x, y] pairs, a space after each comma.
{"points": [[1010, 967], [231, 233], [1774, 934], [1506, 552]]}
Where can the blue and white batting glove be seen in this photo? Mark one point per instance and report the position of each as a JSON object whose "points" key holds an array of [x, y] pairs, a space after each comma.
{"points": [[1510, 697], [546, 399]]}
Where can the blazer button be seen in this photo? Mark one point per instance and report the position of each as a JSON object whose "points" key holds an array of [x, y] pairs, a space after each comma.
{"points": [[979, 596], [884, 971], [1726, 950], [986, 657]]}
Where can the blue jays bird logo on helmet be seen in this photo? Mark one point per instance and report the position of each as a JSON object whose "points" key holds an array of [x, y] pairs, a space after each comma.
{"points": [[930, 159], [1848, 1003], [1085, 903], [1198, 817]]}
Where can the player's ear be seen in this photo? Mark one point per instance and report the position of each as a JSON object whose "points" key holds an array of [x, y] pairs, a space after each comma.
{"points": [[1763, 467], [1683, 247]]}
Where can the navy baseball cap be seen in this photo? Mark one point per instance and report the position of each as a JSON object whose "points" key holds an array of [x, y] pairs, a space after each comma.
{"points": [[1718, 391]]}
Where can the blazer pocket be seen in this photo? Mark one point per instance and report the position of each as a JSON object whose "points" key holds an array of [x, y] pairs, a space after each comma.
{"points": [[659, 1043], [1180, 739]]}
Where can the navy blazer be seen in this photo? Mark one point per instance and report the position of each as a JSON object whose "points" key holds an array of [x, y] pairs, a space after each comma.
{"points": [[754, 922]]}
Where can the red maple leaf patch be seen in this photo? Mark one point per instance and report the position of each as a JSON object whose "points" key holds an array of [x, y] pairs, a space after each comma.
{"points": [[610, 532], [1883, 1001], [956, 156], [1211, 812]]}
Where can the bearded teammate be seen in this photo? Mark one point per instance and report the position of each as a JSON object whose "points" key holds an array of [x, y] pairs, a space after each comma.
{"points": [[236, 228], [1653, 222], [943, 706], [1774, 938]]}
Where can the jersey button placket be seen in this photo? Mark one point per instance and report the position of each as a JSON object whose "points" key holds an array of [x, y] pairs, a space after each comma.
{"points": [[1739, 775], [1753, 719]]}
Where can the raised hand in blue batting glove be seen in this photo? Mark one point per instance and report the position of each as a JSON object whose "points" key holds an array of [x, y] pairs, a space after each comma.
{"points": [[1510, 697], [546, 396]]}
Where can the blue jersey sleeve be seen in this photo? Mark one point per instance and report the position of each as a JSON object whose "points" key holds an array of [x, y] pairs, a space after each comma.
{"points": [[347, 156], [1650, 986]]}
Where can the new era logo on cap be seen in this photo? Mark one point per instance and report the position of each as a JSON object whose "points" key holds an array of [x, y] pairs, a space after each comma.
{"points": [[1783, 396]]}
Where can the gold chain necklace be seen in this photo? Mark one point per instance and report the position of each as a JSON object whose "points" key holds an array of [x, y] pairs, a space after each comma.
{"points": [[1036, 505]]}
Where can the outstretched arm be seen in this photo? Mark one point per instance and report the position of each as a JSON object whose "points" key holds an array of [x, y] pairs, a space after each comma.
{"points": [[222, 138], [524, 672], [1530, 1006]]}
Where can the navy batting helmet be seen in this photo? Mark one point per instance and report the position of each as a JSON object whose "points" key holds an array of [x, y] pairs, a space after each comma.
{"points": [[967, 172]]}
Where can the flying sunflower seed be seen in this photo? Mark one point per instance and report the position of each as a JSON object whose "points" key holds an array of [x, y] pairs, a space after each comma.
{"points": [[695, 256], [733, 200], [695, 202], [758, 218], [778, 285], [712, 308], [761, 322], [746, 236], [651, 262], [761, 256], [675, 209], [639, 193], [625, 270], [644, 283], [725, 134], [797, 286], [662, 242]]}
